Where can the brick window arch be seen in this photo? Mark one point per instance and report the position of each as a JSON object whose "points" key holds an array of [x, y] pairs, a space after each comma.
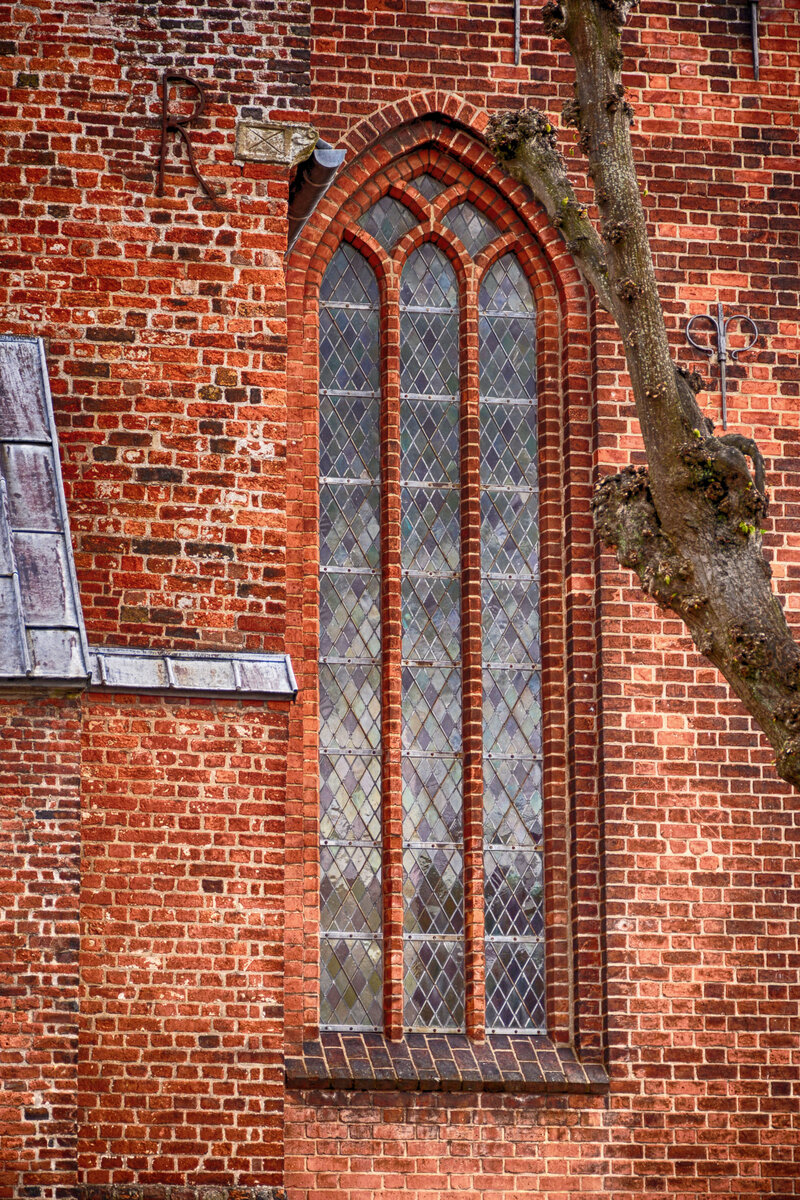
{"points": [[420, 901]]}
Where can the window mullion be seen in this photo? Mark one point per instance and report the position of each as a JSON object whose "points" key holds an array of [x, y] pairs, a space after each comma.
{"points": [[472, 686], [391, 641]]}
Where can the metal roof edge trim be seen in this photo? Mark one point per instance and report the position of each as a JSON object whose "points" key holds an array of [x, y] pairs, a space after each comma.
{"points": [[210, 673]]}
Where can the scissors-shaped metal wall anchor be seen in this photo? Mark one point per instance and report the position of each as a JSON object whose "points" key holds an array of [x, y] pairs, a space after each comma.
{"points": [[721, 323]]}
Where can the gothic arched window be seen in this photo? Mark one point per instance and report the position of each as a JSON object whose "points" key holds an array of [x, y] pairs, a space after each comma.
{"points": [[430, 748]]}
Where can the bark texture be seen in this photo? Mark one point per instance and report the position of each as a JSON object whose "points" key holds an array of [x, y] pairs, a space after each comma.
{"points": [[689, 524]]}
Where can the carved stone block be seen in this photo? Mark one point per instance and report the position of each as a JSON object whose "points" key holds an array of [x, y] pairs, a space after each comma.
{"points": [[274, 142]]}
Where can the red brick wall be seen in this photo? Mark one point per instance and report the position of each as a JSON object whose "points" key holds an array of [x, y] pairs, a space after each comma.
{"points": [[699, 840], [165, 328], [40, 760], [181, 1072]]}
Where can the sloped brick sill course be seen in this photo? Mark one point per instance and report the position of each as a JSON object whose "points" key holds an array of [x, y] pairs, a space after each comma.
{"points": [[442, 1062]]}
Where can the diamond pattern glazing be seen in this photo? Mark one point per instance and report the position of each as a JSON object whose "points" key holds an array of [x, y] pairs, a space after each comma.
{"points": [[515, 987], [512, 720], [349, 526], [351, 983], [431, 529], [349, 616], [348, 338], [428, 280], [434, 986], [387, 221], [350, 797], [350, 889], [432, 808], [512, 791], [511, 621], [429, 440], [350, 646], [509, 533], [470, 225], [349, 429], [514, 893], [349, 279], [509, 449], [429, 353], [431, 619], [431, 710], [429, 186], [505, 289], [433, 891]]}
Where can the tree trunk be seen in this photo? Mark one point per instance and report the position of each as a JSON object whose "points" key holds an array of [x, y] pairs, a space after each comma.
{"points": [[689, 524]]}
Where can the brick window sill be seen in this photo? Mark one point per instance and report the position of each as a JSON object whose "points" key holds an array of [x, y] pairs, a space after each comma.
{"points": [[442, 1062]]}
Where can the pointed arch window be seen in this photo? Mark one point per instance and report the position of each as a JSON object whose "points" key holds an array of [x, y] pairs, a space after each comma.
{"points": [[430, 693]]}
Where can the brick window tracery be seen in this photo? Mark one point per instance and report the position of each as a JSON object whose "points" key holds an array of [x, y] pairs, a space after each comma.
{"points": [[431, 878]]}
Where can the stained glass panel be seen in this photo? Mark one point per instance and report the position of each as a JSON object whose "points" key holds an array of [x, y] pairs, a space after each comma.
{"points": [[431, 612], [351, 983], [515, 987], [350, 646], [428, 280], [350, 797], [470, 225], [387, 221], [429, 186], [434, 985], [512, 716]]}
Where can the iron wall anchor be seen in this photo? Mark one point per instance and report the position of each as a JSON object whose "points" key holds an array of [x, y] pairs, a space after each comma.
{"points": [[721, 324]]}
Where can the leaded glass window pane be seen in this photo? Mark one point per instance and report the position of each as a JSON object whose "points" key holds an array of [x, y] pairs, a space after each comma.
{"points": [[433, 888], [350, 647], [512, 731], [387, 221], [470, 225], [429, 186]]}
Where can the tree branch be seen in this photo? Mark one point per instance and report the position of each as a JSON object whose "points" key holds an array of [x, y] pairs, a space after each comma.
{"points": [[689, 525], [526, 143]]}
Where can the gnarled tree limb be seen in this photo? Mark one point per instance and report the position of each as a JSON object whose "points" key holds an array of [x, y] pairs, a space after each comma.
{"points": [[689, 525]]}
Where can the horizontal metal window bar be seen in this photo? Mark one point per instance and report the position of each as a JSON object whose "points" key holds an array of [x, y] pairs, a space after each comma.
{"points": [[527, 577], [428, 308], [372, 394], [417, 484], [434, 937], [453, 756], [508, 1029], [503, 848], [411, 573], [532, 758], [530, 665], [337, 752], [433, 846], [347, 304], [434, 397], [354, 1028], [507, 312], [351, 480], [329, 935], [328, 570], [509, 489], [332, 661], [447, 664], [356, 845], [443, 1029], [522, 940], [503, 401]]}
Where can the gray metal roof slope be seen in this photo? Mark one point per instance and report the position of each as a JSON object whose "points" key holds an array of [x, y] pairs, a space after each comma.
{"points": [[42, 637]]}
